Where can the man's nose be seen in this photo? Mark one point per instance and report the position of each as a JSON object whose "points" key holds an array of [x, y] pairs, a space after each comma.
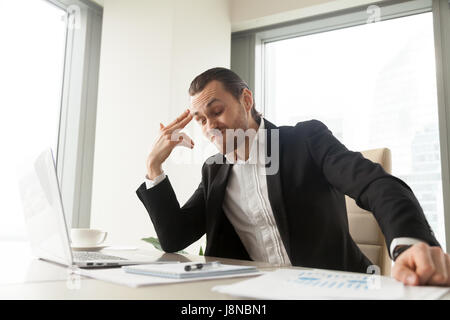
{"points": [[212, 129], [210, 125]]}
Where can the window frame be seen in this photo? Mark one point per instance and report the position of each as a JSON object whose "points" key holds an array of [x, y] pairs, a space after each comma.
{"points": [[247, 60], [441, 17], [76, 135]]}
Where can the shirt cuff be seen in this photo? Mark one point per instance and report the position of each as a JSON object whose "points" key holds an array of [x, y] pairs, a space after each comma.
{"points": [[151, 183], [402, 242]]}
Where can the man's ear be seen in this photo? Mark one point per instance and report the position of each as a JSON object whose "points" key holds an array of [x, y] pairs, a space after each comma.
{"points": [[247, 99]]}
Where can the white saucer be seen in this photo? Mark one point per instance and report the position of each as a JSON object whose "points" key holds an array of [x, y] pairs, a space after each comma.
{"points": [[93, 248]]}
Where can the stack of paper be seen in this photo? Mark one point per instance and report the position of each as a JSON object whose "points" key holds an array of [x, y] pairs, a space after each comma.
{"points": [[291, 284], [178, 271], [120, 276]]}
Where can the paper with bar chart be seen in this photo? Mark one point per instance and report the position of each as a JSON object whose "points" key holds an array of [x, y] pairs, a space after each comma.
{"points": [[288, 284], [323, 280]]}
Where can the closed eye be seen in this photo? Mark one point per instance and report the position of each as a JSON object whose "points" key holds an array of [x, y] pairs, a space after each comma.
{"points": [[201, 120]]}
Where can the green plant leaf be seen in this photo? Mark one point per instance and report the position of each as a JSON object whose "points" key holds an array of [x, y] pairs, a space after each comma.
{"points": [[155, 242]]}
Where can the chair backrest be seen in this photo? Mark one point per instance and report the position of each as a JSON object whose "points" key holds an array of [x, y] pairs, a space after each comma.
{"points": [[364, 229]]}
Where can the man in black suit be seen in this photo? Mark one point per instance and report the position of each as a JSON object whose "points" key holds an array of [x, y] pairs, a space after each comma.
{"points": [[285, 204]]}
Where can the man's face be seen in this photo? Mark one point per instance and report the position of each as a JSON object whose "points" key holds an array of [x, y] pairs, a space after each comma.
{"points": [[216, 110]]}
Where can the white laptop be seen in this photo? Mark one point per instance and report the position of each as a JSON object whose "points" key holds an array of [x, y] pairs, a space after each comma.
{"points": [[44, 217]]}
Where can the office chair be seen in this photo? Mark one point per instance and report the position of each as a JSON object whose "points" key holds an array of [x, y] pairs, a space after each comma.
{"points": [[364, 229]]}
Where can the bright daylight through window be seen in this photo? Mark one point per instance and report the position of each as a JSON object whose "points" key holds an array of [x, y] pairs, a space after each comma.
{"points": [[374, 86], [33, 36]]}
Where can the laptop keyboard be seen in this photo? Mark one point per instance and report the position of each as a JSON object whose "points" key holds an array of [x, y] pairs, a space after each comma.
{"points": [[88, 255]]}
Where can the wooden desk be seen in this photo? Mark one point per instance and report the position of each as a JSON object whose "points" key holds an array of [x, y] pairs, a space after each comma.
{"points": [[36, 279]]}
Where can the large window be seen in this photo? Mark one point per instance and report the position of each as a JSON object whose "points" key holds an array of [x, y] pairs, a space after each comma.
{"points": [[373, 85], [31, 81], [48, 83]]}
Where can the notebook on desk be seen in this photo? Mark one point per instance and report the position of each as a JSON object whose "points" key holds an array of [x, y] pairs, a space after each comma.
{"points": [[189, 270]]}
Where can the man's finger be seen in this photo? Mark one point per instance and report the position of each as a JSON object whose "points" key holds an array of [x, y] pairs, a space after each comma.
{"points": [[440, 275], [161, 126], [181, 124], [178, 119], [403, 273], [447, 263], [421, 257], [183, 140]]}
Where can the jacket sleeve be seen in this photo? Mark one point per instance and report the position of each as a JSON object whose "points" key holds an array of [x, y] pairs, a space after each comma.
{"points": [[175, 227], [391, 200]]}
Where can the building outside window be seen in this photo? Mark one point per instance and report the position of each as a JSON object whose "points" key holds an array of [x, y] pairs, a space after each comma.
{"points": [[374, 86]]}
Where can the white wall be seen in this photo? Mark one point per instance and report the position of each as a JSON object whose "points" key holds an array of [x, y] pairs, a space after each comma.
{"points": [[150, 52]]}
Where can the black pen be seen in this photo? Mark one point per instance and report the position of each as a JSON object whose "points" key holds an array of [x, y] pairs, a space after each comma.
{"points": [[200, 266]]}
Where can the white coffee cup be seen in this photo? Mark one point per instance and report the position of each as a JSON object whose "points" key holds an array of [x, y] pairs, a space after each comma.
{"points": [[84, 237]]}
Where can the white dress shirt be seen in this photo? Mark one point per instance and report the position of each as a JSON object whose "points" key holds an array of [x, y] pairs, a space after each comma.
{"points": [[246, 205]]}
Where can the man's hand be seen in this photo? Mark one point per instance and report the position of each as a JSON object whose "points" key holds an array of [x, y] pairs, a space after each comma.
{"points": [[422, 265], [169, 137]]}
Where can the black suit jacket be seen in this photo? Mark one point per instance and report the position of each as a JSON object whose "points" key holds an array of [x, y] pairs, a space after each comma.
{"points": [[307, 198]]}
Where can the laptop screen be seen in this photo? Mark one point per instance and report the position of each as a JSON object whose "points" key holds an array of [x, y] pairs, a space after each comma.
{"points": [[43, 210]]}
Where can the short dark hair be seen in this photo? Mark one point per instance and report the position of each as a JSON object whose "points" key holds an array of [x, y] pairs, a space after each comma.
{"points": [[230, 81]]}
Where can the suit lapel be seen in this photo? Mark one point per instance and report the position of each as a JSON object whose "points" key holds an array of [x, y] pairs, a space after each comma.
{"points": [[274, 186], [218, 188], [216, 194]]}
